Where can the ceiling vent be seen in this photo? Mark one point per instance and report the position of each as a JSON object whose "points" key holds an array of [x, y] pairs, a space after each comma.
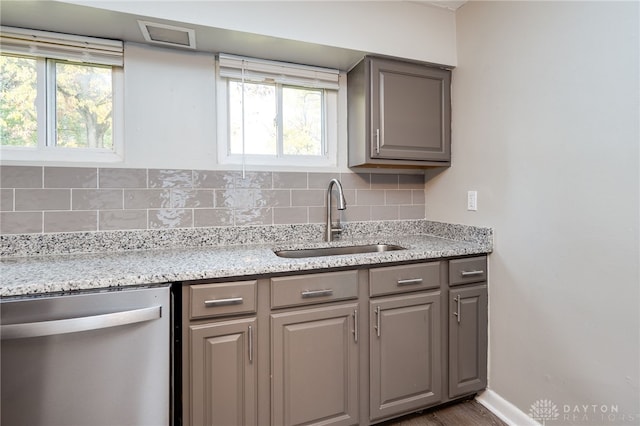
{"points": [[168, 35]]}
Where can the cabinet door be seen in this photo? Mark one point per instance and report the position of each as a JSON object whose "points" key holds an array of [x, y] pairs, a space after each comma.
{"points": [[410, 111], [405, 370], [467, 340], [223, 373], [315, 366]]}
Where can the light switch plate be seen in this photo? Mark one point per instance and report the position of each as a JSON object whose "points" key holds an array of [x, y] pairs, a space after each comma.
{"points": [[472, 200]]}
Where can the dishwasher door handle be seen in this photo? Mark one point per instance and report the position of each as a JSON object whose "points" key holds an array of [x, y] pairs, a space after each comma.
{"points": [[73, 325]]}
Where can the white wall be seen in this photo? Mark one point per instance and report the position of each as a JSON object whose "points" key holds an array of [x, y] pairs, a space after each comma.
{"points": [[546, 128], [170, 115], [170, 112]]}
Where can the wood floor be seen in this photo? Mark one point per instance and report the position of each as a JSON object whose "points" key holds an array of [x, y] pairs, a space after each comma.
{"points": [[463, 413]]}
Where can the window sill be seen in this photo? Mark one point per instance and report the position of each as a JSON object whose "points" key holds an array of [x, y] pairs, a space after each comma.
{"points": [[287, 161], [73, 155]]}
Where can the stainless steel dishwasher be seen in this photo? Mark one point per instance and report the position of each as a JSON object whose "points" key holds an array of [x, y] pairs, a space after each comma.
{"points": [[97, 358]]}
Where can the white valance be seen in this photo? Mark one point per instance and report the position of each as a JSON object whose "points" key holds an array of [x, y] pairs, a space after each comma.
{"points": [[263, 71], [45, 44]]}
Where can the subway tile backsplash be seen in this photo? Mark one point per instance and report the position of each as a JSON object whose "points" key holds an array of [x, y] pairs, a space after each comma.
{"points": [[70, 177], [122, 178], [79, 199], [33, 199], [21, 177], [70, 221]]}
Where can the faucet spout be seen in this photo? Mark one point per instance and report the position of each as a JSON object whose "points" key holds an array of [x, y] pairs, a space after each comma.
{"points": [[342, 205]]}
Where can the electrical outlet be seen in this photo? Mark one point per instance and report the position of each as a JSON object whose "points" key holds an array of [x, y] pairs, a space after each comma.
{"points": [[472, 200]]}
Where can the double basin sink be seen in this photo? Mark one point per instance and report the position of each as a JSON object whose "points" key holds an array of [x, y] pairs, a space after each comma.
{"points": [[336, 251]]}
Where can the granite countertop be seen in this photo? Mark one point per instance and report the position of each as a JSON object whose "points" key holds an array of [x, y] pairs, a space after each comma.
{"points": [[31, 275]]}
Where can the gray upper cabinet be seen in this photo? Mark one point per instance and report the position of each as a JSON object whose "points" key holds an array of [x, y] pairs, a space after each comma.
{"points": [[399, 114]]}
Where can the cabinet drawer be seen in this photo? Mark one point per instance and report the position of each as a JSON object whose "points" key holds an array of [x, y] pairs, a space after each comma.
{"points": [[470, 270], [209, 300], [404, 278], [314, 288]]}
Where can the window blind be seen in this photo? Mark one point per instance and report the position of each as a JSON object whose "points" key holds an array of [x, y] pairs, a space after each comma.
{"points": [[263, 71], [44, 44]]}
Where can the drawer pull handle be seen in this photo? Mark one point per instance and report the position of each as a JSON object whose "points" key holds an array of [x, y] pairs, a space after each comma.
{"points": [[316, 293], [471, 273], [411, 281], [223, 302]]}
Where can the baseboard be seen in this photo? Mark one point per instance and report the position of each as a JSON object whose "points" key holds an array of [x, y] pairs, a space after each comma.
{"points": [[506, 411]]}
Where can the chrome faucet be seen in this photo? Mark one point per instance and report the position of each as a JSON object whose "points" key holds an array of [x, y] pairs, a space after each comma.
{"points": [[342, 205]]}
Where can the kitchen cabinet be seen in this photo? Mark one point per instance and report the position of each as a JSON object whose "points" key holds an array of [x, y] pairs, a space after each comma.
{"points": [[220, 373], [405, 339], [468, 301], [315, 366], [223, 373], [345, 347], [315, 350], [405, 354], [399, 114]]}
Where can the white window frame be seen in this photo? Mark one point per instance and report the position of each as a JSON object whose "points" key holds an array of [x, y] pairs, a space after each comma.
{"points": [[76, 50], [329, 156]]}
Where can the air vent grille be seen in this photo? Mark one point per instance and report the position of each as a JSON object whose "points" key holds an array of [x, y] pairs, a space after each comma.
{"points": [[168, 35]]}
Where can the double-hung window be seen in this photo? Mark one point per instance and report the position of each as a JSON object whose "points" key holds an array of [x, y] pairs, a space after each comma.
{"points": [[275, 113], [60, 97]]}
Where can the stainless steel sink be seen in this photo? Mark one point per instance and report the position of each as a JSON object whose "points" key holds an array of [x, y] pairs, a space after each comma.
{"points": [[335, 251]]}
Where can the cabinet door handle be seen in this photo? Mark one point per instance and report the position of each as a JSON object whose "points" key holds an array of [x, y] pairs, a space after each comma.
{"points": [[471, 273], [355, 325], [250, 332], [316, 293], [223, 302], [377, 141], [458, 313], [410, 281], [377, 326]]}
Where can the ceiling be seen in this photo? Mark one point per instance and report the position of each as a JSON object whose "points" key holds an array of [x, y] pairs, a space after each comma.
{"points": [[102, 23], [447, 4], [94, 22]]}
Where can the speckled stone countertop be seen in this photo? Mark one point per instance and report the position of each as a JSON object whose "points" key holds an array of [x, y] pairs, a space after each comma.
{"points": [[53, 273]]}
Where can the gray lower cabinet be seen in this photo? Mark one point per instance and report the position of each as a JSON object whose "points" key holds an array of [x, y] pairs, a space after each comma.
{"points": [[224, 379], [405, 361], [219, 354], [315, 366], [405, 338], [467, 340], [468, 306], [349, 347]]}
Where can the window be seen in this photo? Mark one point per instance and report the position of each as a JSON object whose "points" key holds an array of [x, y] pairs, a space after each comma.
{"points": [[60, 97], [272, 113]]}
